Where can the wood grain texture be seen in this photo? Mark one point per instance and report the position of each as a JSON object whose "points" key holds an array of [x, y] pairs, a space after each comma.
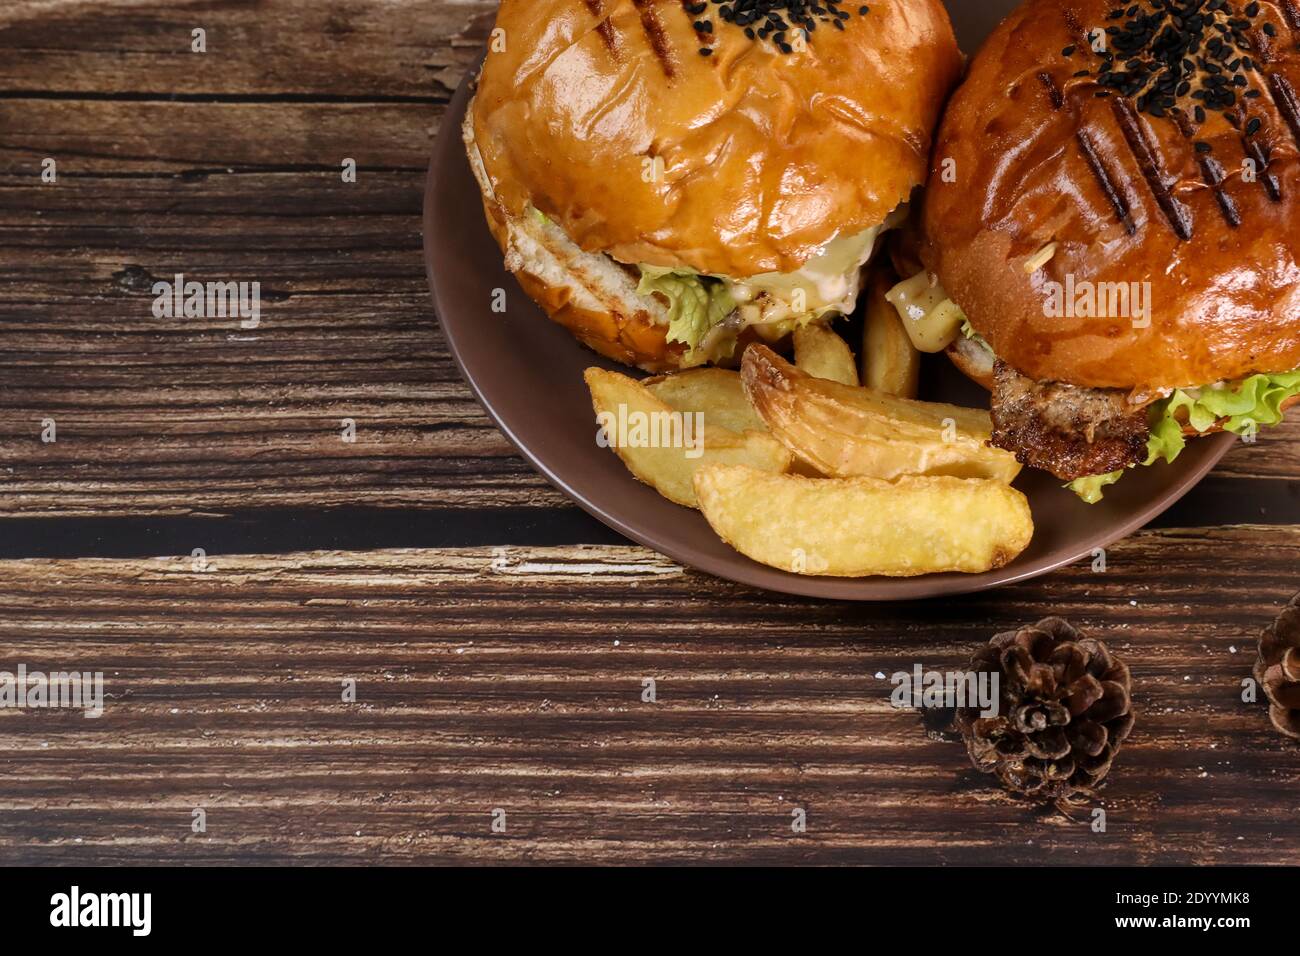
{"points": [[226, 165], [487, 678], [512, 678], [201, 417], [322, 48]]}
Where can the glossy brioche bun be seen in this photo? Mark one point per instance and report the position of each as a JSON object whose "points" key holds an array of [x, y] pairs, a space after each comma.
{"points": [[765, 156], [592, 296], [1032, 144]]}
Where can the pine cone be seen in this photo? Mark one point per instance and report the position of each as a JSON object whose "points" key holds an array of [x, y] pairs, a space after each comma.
{"points": [[1278, 669], [1063, 711]]}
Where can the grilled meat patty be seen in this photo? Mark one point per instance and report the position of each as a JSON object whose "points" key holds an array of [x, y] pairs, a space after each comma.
{"points": [[1071, 432]]}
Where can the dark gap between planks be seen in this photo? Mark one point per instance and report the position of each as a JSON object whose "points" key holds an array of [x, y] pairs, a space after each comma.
{"points": [[1215, 502]]}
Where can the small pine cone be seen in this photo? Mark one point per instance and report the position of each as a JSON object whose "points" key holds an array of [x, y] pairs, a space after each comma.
{"points": [[1063, 711], [1278, 669]]}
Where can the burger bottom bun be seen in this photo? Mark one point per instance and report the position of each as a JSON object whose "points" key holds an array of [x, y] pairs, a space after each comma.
{"points": [[596, 298], [590, 295], [972, 360]]}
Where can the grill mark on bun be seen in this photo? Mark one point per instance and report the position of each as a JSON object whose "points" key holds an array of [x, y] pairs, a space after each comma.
{"points": [[1138, 138], [1095, 163], [1279, 88], [656, 35], [1117, 200], [1292, 13], [704, 37], [1249, 145], [1280, 93], [1054, 93], [1285, 99], [607, 33], [605, 28], [1211, 172], [1261, 156], [1139, 141], [1270, 182]]}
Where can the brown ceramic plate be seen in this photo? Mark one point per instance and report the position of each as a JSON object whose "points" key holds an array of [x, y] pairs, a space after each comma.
{"points": [[527, 372]]}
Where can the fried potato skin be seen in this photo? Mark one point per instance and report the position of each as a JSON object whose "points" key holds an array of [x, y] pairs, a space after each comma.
{"points": [[717, 392], [890, 362], [856, 527], [843, 432], [823, 354], [670, 470]]}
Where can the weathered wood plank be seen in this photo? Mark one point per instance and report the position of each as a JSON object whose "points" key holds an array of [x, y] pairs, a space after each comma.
{"points": [[161, 135], [278, 47], [512, 678]]}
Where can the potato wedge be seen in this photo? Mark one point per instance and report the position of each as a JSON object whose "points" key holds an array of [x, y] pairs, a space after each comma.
{"points": [[662, 446], [845, 432], [716, 392], [854, 527], [820, 352], [890, 363]]}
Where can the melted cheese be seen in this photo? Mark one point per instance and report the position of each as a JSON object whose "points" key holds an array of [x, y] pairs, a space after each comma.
{"points": [[932, 320]]}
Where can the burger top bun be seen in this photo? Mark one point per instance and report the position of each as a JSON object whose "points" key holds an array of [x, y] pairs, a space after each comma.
{"points": [[1029, 155], [606, 117]]}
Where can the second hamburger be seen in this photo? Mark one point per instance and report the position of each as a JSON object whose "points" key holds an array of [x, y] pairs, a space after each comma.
{"points": [[1111, 232]]}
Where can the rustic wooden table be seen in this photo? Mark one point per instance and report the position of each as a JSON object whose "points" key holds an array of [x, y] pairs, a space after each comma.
{"points": [[498, 637]]}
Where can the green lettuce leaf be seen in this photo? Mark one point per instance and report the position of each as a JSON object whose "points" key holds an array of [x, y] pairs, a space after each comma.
{"points": [[1241, 407], [695, 304]]}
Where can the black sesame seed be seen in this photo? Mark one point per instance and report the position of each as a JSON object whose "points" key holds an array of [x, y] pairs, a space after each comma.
{"points": [[1203, 147], [1253, 126], [1162, 51], [772, 20]]}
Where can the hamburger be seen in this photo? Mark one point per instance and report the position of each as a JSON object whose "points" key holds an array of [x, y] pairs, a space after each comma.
{"points": [[669, 179], [1110, 229]]}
